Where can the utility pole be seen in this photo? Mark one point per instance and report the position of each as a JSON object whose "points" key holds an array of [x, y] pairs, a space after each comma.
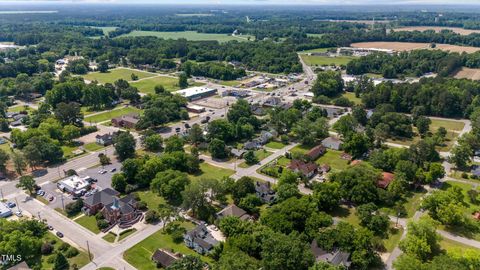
{"points": [[18, 206], [63, 204], [89, 254]]}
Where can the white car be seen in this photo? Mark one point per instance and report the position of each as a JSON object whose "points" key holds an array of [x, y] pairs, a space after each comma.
{"points": [[102, 171], [19, 214]]}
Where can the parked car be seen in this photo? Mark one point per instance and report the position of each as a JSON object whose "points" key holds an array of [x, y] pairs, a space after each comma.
{"points": [[50, 227], [204, 121], [177, 129], [19, 214], [11, 204], [113, 170], [40, 192], [102, 171], [59, 234]]}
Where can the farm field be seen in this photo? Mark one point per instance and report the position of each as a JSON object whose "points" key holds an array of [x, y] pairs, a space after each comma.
{"points": [[189, 35], [408, 46], [116, 74], [437, 29], [107, 115], [468, 73], [316, 60]]}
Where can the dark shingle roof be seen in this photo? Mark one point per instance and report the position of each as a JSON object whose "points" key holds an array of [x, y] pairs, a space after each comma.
{"points": [[164, 258]]}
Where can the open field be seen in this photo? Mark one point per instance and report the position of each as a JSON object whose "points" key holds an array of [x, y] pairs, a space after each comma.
{"points": [[140, 255], [468, 73], [408, 46], [107, 115], [450, 125], [351, 96], [150, 198], [147, 86], [450, 245], [316, 60], [189, 35], [319, 50], [116, 74], [437, 29], [211, 172]]}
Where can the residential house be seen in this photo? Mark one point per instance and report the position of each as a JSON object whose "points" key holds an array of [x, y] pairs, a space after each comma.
{"points": [[332, 143], [126, 121], [21, 266], [306, 169], [324, 168], [385, 180], [237, 153], [105, 139], [335, 257], [257, 110], [233, 210], [264, 192], [316, 152], [114, 209], [251, 145], [200, 239], [266, 136], [272, 102], [163, 258]]}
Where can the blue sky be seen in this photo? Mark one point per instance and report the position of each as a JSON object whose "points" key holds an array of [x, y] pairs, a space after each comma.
{"points": [[260, 2]]}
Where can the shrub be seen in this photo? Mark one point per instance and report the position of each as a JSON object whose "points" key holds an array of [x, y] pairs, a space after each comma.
{"points": [[141, 205], [71, 252], [151, 216], [64, 246], [343, 102], [465, 175], [102, 224], [51, 259], [74, 207], [46, 248]]}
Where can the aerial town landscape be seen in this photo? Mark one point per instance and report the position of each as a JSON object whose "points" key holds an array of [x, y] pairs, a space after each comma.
{"points": [[192, 135]]}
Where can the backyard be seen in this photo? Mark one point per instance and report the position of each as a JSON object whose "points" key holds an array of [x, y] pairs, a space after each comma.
{"points": [[140, 255], [333, 159]]}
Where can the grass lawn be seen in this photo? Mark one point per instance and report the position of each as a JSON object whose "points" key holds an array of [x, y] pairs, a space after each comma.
{"points": [[110, 237], [126, 233], [394, 236], [275, 145], [92, 147], [80, 260], [315, 60], [6, 147], [470, 207], [346, 214], [333, 158], [89, 222], [116, 74], [61, 211], [107, 115], [260, 154], [18, 108], [67, 151], [450, 245], [413, 203], [447, 124], [301, 149], [139, 255], [189, 35], [150, 198], [351, 96], [210, 171], [147, 86], [319, 50]]}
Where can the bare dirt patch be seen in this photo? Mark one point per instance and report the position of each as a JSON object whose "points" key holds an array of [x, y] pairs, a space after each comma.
{"points": [[468, 73], [437, 29], [408, 46]]}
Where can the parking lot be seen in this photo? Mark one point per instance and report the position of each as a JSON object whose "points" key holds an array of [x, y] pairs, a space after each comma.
{"points": [[103, 175]]}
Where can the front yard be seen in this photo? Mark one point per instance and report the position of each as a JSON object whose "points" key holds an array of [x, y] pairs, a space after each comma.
{"points": [[88, 222], [108, 115], [211, 172]]}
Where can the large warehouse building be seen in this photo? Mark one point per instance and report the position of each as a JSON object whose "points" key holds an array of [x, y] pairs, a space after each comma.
{"points": [[198, 92]]}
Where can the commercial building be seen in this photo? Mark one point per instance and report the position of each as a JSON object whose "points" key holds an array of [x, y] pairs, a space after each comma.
{"points": [[126, 121], [194, 93], [195, 108], [74, 185]]}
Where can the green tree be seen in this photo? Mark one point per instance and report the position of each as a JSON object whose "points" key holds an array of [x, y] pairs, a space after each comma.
{"points": [[60, 262], [280, 251], [119, 182], [19, 162], [250, 158], [124, 144], [218, 149], [4, 157], [286, 191], [460, 155], [188, 262], [170, 184], [102, 67], [183, 81], [327, 195], [174, 144], [153, 143], [195, 134], [27, 183], [422, 240], [235, 259], [242, 188], [69, 114]]}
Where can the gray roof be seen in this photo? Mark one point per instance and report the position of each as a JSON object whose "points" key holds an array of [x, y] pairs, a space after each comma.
{"points": [[332, 143], [104, 197], [233, 210], [202, 237], [335, 257], [164, 258]]}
